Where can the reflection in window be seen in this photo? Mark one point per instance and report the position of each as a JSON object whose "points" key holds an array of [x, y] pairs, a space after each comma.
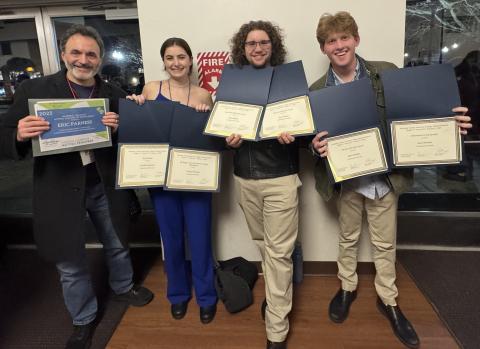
{"points": [[439, 32], [19, 56], [122, 63]]}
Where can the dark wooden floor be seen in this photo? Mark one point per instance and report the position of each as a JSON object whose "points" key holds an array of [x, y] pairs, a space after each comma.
{"points": [[153, 327]]}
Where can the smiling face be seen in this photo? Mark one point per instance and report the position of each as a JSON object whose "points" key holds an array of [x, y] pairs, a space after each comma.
{"points": [[82, 59], [258, 48], [340, 50], [177, 62]]}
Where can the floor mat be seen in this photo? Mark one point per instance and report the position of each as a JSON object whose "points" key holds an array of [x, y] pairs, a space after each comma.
{"points": [[32, 312], [451, 282]]}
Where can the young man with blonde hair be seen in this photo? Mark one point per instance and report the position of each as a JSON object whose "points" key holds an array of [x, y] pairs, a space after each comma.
{"points": [[377, 195]]}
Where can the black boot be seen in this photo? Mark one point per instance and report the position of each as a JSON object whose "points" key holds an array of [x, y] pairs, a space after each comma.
{"points": [[340, 305], [402, 328]]}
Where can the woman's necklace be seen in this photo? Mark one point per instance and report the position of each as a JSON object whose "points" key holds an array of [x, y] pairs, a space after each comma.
{"points": [[170, 91]]}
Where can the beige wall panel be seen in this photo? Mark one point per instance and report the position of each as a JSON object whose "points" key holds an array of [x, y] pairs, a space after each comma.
{"points": [[208, 26]]}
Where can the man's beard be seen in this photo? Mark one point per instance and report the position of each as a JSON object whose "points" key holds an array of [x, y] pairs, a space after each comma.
{"points": [[81, 75]]}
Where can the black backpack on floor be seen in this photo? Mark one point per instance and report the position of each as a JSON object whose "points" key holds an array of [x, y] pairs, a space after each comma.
{"points": [[234, 281]]}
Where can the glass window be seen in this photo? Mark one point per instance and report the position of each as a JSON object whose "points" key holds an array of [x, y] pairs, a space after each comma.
{"points": [[19, 56], [448, 32], [20, 59]]}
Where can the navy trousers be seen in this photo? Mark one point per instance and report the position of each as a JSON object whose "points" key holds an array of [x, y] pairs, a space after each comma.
{"points": [[180, 216]]}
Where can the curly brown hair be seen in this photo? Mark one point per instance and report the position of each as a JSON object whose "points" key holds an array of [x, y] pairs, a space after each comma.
{"points": [[237, 43]]}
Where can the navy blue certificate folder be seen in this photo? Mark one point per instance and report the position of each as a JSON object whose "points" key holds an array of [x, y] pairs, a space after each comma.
{"points": [[245, 84], [419, 92], [288, 81], [423, 92], [147, 123], [187, 130], [345, 108]]}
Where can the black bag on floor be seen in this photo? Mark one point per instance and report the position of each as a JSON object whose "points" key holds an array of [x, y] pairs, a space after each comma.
{"points": [[234, 281]]}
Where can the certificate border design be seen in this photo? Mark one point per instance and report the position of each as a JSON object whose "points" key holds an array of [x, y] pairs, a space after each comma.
{"points": [[223, 133], [214, 188], [308, 131], [121, 164], [35, 141], [383, 168], [393, 133]]}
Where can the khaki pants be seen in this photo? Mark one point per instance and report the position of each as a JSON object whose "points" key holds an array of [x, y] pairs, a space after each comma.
{"points": [[271, 210], [382, 225]]}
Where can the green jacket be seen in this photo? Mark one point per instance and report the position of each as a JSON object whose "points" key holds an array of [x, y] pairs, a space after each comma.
{"points": [[399, 179]]}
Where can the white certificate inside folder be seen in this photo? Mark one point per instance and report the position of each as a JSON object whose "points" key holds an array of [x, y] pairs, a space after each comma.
{"points": [[356, 154], [229, 118], [141, 165], [193, 170], [435, 141], [293, 115]]}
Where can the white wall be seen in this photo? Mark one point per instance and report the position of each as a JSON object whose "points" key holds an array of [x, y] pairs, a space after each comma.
{"points": [[208, 25]]}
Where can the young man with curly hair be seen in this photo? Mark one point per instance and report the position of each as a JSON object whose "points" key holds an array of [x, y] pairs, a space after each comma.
{"points": [[376, 195], [266, 181]]}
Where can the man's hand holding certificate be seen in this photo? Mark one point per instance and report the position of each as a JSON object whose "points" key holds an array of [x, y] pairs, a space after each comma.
{"points": [[355, 146], [288, 109], [162, 144], [258, 104], [420, 110], [241, 97], [73, 125]]}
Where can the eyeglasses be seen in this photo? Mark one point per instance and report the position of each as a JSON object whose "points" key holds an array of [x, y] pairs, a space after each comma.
{"points": [[253, 44]]}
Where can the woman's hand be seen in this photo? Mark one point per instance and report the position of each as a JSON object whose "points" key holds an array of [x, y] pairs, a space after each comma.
{"points": [[111, 119], [202, 107], [139, 99]]}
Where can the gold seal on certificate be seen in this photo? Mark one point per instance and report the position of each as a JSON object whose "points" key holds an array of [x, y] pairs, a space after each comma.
{"points": [[434, 141], [193, 170], [356, 154], [293, 115], [141, 165], [227, 118]]}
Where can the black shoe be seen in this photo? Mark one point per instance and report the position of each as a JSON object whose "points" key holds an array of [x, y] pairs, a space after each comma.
{"points": [[81, 337], [340, 305], [179, 310], [276, 345], [402, 328], [263, 308], [138, 296], [208, 313]]}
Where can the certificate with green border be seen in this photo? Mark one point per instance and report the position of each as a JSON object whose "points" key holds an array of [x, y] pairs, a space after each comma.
{"points": [[356, 154], [75, 125]]}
